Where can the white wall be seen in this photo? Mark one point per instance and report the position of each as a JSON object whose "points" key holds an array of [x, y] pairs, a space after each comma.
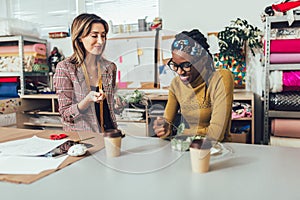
{"points": [[209, 15], [3, 9]]}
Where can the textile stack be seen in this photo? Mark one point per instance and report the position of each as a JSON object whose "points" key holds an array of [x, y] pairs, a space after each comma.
{"points": [[35, 58], [285, 84]]}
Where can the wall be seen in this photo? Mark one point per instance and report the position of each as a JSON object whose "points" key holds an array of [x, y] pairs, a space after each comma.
{"points": [[3, 9], [209, 16]]}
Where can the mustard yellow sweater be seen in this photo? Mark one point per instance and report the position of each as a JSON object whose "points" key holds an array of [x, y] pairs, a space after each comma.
{"points": [[206, 108]]}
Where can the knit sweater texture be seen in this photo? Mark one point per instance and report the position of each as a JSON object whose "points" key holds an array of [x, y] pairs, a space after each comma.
{"points": [[206, 106]]}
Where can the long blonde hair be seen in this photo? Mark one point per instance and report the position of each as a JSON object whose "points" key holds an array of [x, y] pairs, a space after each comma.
{"points": [[81, 27]]}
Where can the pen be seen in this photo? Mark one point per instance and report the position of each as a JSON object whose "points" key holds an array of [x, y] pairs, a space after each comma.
{"points": [[84, 139]]}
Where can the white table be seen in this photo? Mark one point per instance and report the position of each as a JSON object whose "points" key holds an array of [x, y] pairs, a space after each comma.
{"points": [[251, 172]]}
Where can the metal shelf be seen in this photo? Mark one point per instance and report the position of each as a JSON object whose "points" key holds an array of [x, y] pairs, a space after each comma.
{"points": [[22, 38], [284, 114], [275, 19], [20, 42], [36, 73], [7, 74], [242, 119], [273, 23], [284, 67]]}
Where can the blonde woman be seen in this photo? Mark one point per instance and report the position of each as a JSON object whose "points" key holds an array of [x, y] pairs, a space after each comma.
{"points": [[85, 82]]}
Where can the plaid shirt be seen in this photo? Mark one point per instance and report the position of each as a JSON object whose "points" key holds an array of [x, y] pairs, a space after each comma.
{"points": [[71, 88]]}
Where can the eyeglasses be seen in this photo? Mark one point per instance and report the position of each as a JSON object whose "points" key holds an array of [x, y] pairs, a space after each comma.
{"points": [[185, 66]]}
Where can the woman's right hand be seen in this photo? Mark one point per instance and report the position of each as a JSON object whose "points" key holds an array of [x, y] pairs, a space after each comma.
{"points": [[94, 96], [161, 127]]}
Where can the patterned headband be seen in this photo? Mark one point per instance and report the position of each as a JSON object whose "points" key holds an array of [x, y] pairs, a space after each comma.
{"points": [[189, 46]]}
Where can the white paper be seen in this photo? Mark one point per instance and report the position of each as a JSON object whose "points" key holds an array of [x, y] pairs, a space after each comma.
{"points": [[28, 165], [33, 146]]}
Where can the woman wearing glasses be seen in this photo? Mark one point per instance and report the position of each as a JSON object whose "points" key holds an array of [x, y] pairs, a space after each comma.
{"points": [[203, 94]]}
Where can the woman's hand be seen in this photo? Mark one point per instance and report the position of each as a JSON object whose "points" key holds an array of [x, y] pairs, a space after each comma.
{"points": [[96, 96], [119, 104], [161, 127], [90, 98]]}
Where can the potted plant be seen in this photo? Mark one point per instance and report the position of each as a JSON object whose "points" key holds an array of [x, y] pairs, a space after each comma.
{"points": [[136, 98], [232, 43]]}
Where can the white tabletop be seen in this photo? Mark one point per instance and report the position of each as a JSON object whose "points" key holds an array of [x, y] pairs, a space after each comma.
{"points": [[250, 172]]}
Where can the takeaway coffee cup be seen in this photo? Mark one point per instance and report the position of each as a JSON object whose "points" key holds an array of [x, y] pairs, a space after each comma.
{"points": [[112, 142], [200, 155]]}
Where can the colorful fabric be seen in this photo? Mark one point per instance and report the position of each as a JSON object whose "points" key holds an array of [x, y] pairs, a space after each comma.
{"points": [[285, 6], [238, 68], [40, 68], [9, 105], [12, 63]]}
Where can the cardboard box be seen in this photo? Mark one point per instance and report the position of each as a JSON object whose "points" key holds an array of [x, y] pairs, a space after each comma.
{"points": [[240, 137]]}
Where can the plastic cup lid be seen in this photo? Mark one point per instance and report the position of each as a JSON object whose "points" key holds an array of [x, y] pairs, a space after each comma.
{"points": [[113, 133], [201, 144]]}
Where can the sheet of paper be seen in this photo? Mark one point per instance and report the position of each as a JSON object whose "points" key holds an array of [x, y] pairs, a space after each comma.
{"points": [[33, 146], [28, 165]]}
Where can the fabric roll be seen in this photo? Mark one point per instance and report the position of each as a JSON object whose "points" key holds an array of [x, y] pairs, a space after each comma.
{"points": [[285, 101], [276, 84], [35, 48], [284, 81], [285, 46], [34, 54], [281, 58], [286, 127], [291, 80], [9, 79]]}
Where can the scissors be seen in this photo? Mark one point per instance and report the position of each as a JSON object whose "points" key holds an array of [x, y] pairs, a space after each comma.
{"points": [[58, 136]]}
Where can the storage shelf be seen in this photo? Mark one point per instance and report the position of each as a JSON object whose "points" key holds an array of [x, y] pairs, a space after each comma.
{"points": [[284, 114], [38, 105], [20, 41], [19, 37], [36, 73], [284, 66], [275, 19], [242, 95], [273, 23], [7, 74], [242, 119]]}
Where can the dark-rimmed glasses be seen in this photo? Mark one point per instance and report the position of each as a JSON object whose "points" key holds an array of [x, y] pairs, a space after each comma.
{"points": [[184, 66]]}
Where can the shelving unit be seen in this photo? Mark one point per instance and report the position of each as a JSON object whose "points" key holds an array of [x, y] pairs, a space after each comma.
{"points": [[272, 22], [135, 127], [37, 106], [20, 41], [244, 97]]}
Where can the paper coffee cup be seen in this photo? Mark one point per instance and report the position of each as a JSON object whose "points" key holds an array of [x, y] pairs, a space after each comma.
{"points": [[112, 142], [200, 155]]}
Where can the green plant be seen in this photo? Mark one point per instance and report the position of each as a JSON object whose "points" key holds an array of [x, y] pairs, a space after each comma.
{"points": [[237, 36], [135, 97]]}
